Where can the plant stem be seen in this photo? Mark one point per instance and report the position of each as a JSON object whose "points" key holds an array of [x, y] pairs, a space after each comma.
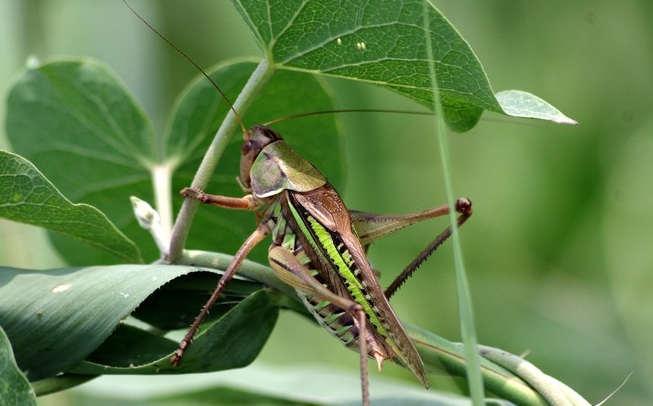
{"points": [[250, 269], [162, 182], [555, 392], [181, 228], [465, 308]]}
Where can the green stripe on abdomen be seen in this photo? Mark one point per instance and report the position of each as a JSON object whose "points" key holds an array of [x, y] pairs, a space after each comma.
{"points": [[330, 248]]}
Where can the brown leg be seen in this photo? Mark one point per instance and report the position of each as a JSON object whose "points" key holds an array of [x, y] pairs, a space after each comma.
{"points": [[259, 234], [463, 206], [241, 203], [291, 271]]}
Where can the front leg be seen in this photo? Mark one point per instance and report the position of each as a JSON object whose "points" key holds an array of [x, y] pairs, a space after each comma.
{"points": [[238, 203], [256, 237]]}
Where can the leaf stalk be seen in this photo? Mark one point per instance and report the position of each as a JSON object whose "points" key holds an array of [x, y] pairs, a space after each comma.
{"points": [[181, 228]]}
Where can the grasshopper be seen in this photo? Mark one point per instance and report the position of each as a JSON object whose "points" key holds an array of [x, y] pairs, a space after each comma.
{"points": [[319, 247]]}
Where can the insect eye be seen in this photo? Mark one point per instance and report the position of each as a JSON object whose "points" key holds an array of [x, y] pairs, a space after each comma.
{"points": [[247, 146]]}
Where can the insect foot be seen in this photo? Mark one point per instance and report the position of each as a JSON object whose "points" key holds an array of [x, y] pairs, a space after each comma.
{"points": [[175, 360], [190, 192], [195, 194], [464, 206]]}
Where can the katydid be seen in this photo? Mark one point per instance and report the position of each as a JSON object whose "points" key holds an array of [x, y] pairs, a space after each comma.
{"points": [[319, 247]]}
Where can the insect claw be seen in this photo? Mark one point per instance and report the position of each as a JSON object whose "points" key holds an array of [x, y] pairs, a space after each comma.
{"points": [[188, 192], [379, 360]]}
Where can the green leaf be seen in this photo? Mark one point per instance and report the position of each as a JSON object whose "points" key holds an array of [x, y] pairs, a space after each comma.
{"points": [[266, 385], [57, 318], [522, 104], [14, 387], [379, 42], [71, 320], [26, 196], [78, 124], [232, 341]]}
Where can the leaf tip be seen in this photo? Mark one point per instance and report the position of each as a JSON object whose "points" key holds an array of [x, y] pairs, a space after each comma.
{"points": [[565, 120], [517, 103]]}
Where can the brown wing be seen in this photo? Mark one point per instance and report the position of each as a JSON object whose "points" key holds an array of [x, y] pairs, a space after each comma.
{"points": [[325, 205]]}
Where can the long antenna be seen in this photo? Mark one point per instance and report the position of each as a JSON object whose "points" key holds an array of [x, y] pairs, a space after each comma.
{"points": [[338, 111], [192, 62], [392, 111]]}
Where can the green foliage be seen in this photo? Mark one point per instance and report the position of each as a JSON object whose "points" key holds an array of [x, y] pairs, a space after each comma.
{"points": [[80, 308], [76, 123], [28, 197], [102, 155], [383, 43], [14, 387], [261, 386]]}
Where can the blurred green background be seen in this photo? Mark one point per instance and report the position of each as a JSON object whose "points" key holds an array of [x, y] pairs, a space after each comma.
{"points": [[560, 249]]}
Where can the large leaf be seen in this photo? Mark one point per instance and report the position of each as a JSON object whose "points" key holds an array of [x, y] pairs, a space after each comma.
{"points": [[78, 124], [28, 197], [384, 42], [265, 385], [57, 318], [81, 128], [70, 320]]}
